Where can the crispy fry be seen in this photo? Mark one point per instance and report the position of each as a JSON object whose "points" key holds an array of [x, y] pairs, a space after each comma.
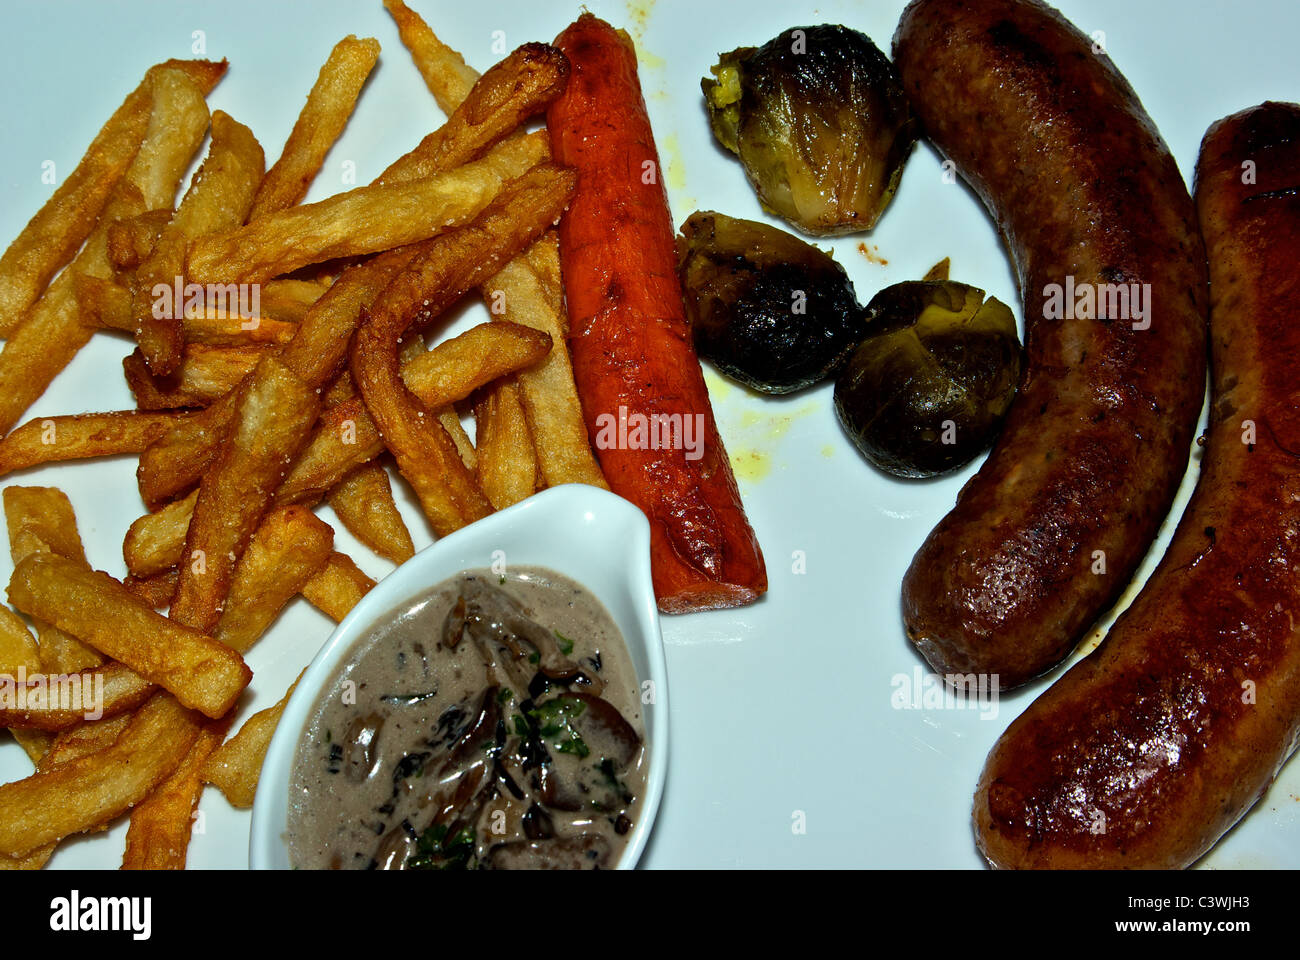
{"points": [[40, 519], [287, 550], [156, 542], [529, 292], [518, 87], [364, 220], [157, 591], [52, 333], [132, 239], [337, 587], [218, 199], [323, 117], [235, 767], [174, 462], [275, 416], [363, 501], [506, 466], [424, 452], [91, 605], [38, 705], [82, 435], [82, 740], [52, 236], [444, 70], [89, 791], [205, 374], [107, 306], [288, 300], [347, 436], [161, 826]]}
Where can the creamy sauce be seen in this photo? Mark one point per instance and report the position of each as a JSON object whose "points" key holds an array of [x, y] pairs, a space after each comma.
{"points": [[493, 723]]}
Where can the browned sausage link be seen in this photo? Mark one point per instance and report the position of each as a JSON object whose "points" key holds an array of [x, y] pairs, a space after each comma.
{"points": [[1046, 536], [1147, 751]]}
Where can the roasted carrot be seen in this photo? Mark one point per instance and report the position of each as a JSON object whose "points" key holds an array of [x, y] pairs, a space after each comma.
{"points": [[642, 390]]}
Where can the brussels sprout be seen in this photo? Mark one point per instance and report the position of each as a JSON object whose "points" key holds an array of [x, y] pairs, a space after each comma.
{"points": [[820, 123], [770, 310], [927, 391]]}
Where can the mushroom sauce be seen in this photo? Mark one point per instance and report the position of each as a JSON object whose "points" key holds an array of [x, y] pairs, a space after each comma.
{"points": [[494, 723]]}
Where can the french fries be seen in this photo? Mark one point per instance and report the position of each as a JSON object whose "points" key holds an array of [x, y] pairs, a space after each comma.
{"points": [[202, 673], [107, 691], [424, 452], [347, 436], [365, 220], [218, 199], [51, 333], [337, 587], [329, 104], [235, 766], [156, 542], [159, 835], [363, 502], [56, 232], [275, 415], [89, 791], [80, 436], [505, 466], [286, 551], [444, 70], [204, 374], [517, 88]]}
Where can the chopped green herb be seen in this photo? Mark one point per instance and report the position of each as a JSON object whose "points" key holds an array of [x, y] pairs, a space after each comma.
{"points": [[505, 695], [566, 645]]}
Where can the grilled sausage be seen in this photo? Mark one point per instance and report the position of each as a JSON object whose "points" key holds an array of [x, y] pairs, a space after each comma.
{"points": [[1147, 751], [1047, 534]]}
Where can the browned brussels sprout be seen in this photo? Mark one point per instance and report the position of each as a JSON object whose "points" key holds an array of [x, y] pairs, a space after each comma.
{"points": [[927, 391], [768, 309], [820, 123]]}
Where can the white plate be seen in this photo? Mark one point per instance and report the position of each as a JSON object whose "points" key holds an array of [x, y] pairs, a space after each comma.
{"points": [[786, 750], [589, 535]]}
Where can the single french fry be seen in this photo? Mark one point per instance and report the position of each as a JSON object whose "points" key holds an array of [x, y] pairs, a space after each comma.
{"points": [[202, 673], [364, 220], [444, 70], [51, 332], [462, 260], [286, 551], [518, 87], [80, 436], [323, 117], [218, 199], [363, 502], [41, 520], [132, 239], [204, 374], [275, 415], [106, 305], [337, 587], [155, 543], [54, 703], [235, 767], [159, 835], [18, 649], [347, 437], [52, 237], [506, 466], [87, 792]]}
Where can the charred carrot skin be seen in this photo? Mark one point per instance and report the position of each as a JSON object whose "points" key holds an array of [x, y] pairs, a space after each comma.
{"points": [[631, 344]]}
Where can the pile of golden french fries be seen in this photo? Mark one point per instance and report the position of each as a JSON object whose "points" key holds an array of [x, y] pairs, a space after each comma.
{"points": [[248, 419]]}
